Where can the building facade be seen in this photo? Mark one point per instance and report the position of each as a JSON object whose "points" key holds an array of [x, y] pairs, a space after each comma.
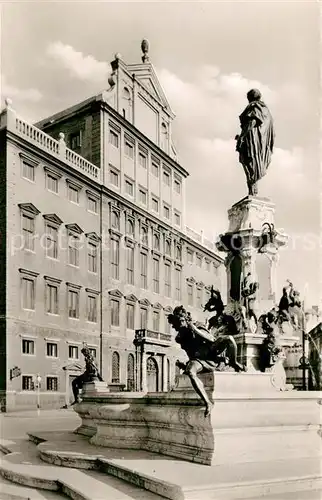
{"points": [[96, 247]]}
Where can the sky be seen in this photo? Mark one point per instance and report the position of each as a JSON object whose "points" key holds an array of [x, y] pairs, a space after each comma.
{"points": [[207, 56]]}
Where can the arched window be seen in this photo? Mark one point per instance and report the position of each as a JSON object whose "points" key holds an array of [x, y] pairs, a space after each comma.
{"points": [[130, 227], [168, 375], [130, 373], [115, 368], [156, 242], [178, 252], [126, 104], [115, 220], [168, 247], [144, 235], [152, 373], [164, 137]]}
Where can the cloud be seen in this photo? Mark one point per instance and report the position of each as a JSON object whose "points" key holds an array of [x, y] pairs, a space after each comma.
{"points": [[31, 95], [83, 67]]}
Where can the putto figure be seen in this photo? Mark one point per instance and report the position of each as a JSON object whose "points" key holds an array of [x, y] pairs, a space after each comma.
{"points": [[90, 374], [203, 350], [256, 141]]}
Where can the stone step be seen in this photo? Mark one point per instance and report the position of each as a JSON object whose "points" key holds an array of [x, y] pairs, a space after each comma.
{"points": [[28, 470], [180, 480]]}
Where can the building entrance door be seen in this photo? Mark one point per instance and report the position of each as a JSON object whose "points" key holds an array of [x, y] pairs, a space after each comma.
{"points": [[152, 375]]}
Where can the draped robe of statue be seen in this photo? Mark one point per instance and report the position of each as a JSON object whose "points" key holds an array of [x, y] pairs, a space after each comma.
{"points": [[255, 143]]}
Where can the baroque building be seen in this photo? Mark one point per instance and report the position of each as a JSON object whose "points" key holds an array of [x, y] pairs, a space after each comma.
{"points": [[97, 248]]}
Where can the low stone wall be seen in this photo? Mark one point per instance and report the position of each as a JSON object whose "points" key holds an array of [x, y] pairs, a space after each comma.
{"points": [[251, 420], [28, 400]]}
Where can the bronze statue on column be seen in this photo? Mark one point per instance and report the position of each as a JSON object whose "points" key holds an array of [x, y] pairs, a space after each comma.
{"points": [[256, 141]]}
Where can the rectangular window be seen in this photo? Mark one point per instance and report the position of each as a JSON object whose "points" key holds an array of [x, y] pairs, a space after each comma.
{"points": [[28, 346], [155, 169], [129, 187], [208, 264], [75, 140], [178, 284], [52, 384], [143, 159], [28, 293], [190, 294], [167, 280], [156, 321], [198, 261], [130, 316], [143, 318], [27, 383], [129, 149], [155, 204], [199, 297], [92, 351], [156, 275], [166, 177], [114, 138], [92, 204], [189, 256], [142, 196], [115, 259], [92, 308], [130, 265], [73, 250], [28, 171], [177, 219], [52, 350], [51, 241], [28, 231], [52, 298], [72, 352], [92, 257], [166, 211], [52, 183], [144, 270], [73, 194], [166, 325], [73, 304], [114, 177], [115, 313], [177, 186]]}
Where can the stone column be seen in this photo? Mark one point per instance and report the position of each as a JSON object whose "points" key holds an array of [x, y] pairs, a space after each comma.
{"points": [[164, 373], [251, 244], [144, 357]]}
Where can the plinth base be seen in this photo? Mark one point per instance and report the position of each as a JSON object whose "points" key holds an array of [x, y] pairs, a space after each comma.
{"points": [[251, 421]]}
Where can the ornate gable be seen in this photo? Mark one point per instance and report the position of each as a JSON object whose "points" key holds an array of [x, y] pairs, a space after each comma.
{"points": [[168, 310], [93, 236], [157, 306], [29, 208], [131, 297], [191, 280], [144, 302], [74, 228], [146, 75], [53, 218], [115, 293]]}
